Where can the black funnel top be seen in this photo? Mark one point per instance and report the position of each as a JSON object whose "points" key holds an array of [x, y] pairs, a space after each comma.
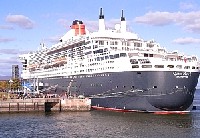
{"points": [[101, 16], [122, 18]]}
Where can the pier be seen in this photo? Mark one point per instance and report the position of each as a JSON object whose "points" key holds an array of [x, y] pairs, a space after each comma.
{"points": [[45, 104]]}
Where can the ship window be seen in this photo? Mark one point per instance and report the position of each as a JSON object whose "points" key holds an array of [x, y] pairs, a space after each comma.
{"points": [[112, 43], [101, 42], [179, 66], [187, 67], [139, 73], [106, 57], [135, 66], [154, 86], [128, 43], [145, 55], [124, 86], [133, 61], [100, 51], [170, 66], [102, 58], [159, 66], [105, 49], [150, 55], [146, 66], [193, 67], [111, 57], [197, 67], [122, 54], [116, 86], [116, 56]]}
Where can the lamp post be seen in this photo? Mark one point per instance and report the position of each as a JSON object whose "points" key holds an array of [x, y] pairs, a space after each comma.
{"points": [[10, 82]]}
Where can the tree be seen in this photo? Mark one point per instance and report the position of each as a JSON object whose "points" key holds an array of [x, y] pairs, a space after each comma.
{"points": [[15, 84], [4, 85]]}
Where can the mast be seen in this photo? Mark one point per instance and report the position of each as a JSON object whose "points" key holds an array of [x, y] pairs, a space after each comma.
{"points": [[101, 21], [123, 23]]}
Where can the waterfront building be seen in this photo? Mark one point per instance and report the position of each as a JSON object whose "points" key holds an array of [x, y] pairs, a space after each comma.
{"points": [[15, 71]]}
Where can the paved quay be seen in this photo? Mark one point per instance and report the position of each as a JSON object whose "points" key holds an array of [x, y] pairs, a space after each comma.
{"points": [[45, 104]]}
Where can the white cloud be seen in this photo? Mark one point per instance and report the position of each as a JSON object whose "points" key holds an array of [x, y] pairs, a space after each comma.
{"points": [[4, 40], [9, 51], [53, 39], [64, 22], [156, 18], [186, 40], [6, 27], [20, 20], [187, 6], [190, 21]]}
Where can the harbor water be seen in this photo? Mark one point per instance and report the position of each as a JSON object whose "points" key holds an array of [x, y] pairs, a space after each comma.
{"points": [[100, 124]]}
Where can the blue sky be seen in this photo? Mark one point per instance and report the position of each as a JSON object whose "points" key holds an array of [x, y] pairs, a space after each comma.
{"points": [[175, 24]]}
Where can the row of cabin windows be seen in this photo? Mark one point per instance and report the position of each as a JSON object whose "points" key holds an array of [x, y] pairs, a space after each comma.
{"points": [[91, 70], [89, 76], [162, 66], [148, 55], [100, 42], [111, 57], [95, 64], [141, 61]]}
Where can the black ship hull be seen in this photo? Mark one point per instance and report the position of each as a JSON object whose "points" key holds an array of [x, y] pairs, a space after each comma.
{"points": [[132, 90]]}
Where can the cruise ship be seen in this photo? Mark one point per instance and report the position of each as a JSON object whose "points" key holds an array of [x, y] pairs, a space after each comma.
{"points": [[115, 68]]}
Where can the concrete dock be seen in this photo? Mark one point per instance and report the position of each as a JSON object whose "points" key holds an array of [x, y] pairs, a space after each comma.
{"points": [[45, 104]]}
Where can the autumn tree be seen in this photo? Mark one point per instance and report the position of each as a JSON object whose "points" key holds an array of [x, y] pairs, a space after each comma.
{"points": [[4, 85], [15, 84]]}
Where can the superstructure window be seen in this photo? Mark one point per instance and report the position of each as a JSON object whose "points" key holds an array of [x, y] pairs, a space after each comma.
{"points": [[135, 66], [122, 54], [116, 56], [101, 42], [111, 57], [145, 55], [179, 66], [146, 66], [137, 44], [159, 66], [170, 66], [150, 55], [133, 61], [187, 67], [106, 57], [112, 43]]}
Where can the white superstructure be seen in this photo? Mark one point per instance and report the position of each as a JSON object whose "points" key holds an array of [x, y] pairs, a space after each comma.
{"points": [[82, 52]]}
